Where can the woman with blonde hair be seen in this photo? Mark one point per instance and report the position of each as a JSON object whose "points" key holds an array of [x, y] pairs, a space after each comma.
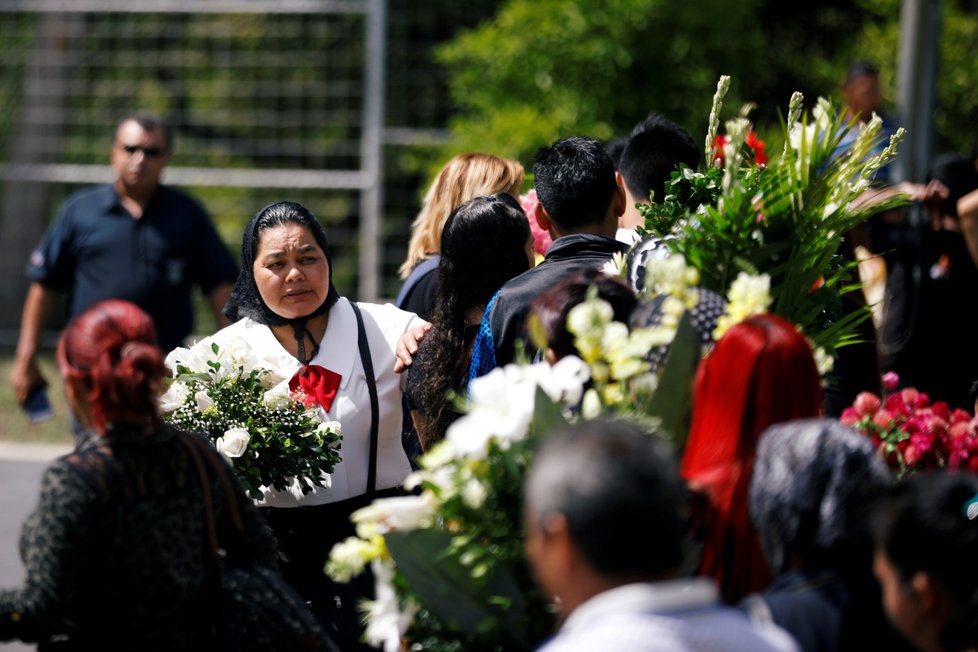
{"points": [[465, 176]]}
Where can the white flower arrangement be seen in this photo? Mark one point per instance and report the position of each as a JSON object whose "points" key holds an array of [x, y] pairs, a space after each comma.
{"points": [[245, 407]]}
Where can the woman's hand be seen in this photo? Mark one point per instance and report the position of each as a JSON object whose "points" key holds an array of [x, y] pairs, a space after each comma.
{"points": [[407, 347]]}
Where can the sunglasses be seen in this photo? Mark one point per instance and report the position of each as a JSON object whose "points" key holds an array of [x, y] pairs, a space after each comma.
{"points": [[152, 151]]}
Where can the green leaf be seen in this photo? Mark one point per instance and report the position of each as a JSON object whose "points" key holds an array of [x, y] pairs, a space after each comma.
{"points": [[447, 588], [672, 402], [547, 415]]}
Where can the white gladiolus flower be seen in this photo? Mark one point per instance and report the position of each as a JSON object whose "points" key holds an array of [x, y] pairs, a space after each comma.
{"points": [[474, 493], [386, 623], [234, 443], [174, 397], [348, 558], [398, 513], [501, 407], [204, 401]]}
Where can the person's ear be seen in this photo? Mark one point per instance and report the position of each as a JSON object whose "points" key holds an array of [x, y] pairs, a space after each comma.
{"points": [[927, 594], [618, 202], [542, 217]]}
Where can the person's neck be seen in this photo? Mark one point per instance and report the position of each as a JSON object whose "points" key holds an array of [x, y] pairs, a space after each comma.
{"points": [[314, 331], [135, 200], [589, 585]]}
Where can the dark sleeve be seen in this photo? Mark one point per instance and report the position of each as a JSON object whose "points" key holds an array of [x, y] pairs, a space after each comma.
{"points": [[56, 547], [214, 264], [421, 299], [258, 543], [52, 263]]}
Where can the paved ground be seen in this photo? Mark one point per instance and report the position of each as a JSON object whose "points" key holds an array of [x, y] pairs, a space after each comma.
{"points": [[21, 466]]}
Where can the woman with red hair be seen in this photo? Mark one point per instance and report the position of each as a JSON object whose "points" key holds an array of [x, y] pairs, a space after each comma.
{"points": [[761, 372], [115, 550]]}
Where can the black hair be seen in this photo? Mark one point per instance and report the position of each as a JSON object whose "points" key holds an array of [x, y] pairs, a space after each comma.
{"points": [[483, 245], [924, 525], [552, 306], [245, 300], [862, 68], [973, 392], [150, 122], [619, 489], [615, 147], [575, 181], [655, 148]]}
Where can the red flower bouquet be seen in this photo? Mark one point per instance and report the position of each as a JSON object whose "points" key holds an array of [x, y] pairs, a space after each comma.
{"points": [[911, 433]]}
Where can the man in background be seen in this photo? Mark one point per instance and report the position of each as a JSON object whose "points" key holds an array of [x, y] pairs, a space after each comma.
{"points": [[654, 149], [133, 239], [580, 201], [606, 534]]}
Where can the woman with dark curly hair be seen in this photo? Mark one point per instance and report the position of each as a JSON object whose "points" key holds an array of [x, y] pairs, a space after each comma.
{"points": [[486, 242]]}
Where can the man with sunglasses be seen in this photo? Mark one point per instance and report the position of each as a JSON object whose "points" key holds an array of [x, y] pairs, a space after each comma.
{"points": [[133, 239]]}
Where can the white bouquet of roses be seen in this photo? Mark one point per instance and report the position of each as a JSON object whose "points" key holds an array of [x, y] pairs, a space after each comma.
{"points": [[270, 432]]}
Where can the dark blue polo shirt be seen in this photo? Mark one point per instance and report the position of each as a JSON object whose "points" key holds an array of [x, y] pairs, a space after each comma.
{"points": [[95, 250]]}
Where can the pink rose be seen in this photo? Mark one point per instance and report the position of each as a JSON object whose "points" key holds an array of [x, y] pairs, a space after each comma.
{"points": [[909, 395], [959, 416], [883, 419], [849, 416], [866, 403], [890, 381]]}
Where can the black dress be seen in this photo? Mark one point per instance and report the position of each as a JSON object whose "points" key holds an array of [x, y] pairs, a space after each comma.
{"points": [[115, 549]]}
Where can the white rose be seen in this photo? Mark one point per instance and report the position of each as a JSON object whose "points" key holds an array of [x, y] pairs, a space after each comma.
{"points": [[174, 397], [204, 400], [330, 426], [234, 443], [278, 397]]}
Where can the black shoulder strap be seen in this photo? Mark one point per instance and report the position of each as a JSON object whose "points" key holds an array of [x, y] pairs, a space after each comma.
{"points": [[368, 369]]}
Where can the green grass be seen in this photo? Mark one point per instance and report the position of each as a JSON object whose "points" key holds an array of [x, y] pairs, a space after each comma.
{"points": [[14, 425]]}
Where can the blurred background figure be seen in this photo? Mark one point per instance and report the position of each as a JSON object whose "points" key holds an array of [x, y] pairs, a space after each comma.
{"points": [[133, 239], [463, 177], [811, 494], [927, 335], [486, 242], [926, 534], [762, 372], [610, 548]]}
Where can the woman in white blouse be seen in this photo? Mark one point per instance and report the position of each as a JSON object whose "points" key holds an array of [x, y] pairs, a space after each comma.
{"points": [[285, 306]]}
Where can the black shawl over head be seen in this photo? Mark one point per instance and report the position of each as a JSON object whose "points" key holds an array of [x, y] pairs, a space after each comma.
{"points": [[245, 299]]}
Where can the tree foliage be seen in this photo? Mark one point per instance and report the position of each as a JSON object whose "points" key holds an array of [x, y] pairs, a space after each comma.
{"points": [[544, 69]]}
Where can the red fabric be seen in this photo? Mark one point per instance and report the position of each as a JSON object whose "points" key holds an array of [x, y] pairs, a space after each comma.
{"points": [[317, 384], [761, 372]]}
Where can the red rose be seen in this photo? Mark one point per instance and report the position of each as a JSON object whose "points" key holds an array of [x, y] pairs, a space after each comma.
{"points": [[318, 385], [960, 416], [883, 419]]}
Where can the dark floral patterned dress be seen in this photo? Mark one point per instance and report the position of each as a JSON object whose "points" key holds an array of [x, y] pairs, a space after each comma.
{"points": [[115, 550]]}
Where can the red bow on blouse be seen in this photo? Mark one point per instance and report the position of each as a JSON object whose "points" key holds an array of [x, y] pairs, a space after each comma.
{"points": [[318, 384]]}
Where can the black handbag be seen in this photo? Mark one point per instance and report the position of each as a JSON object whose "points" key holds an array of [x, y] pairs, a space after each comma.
{"points": [[258, 609]]}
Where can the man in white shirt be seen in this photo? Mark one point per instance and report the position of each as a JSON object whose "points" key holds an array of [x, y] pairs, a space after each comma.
{"points": [[653, 150], [606, 535]]}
